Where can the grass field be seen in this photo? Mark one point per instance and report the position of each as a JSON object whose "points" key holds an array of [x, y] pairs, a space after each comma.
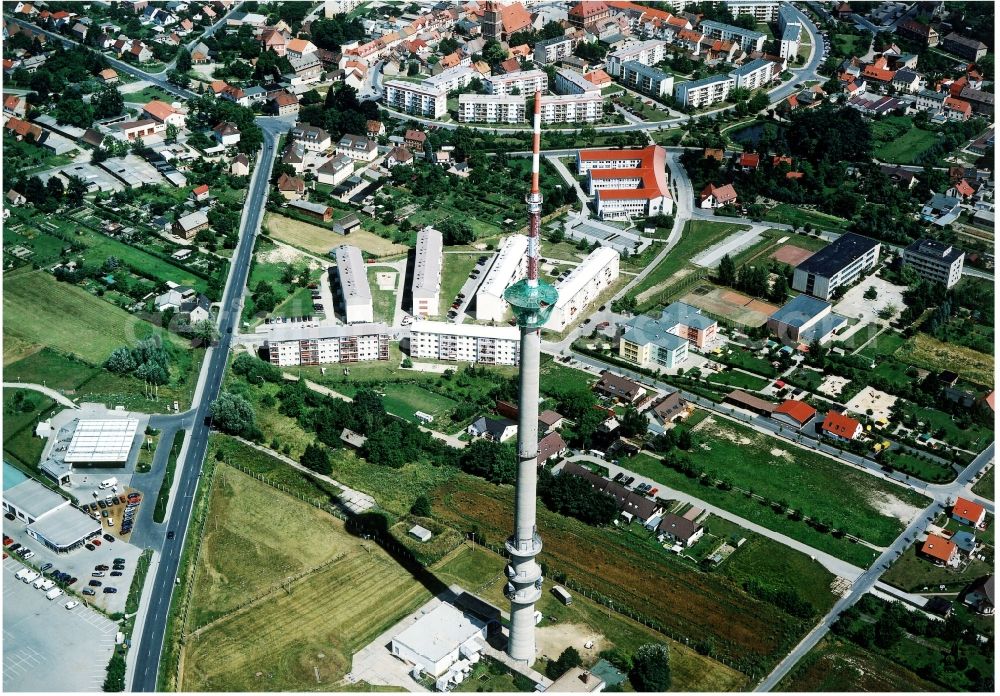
{"points": [[455, 272], [404, 400], [632, 572], [698, 235], [788, 214], [383, 301], [838, 666], [320, 240], [912, 573], [986, 486], [301, 635], [898, 141], [738, 380], [928, 352], [69, 319], [805, 480], [474, 568], [19, 441]]}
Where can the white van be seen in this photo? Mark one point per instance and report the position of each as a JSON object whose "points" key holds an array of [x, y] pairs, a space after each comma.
{"points": [[47, 585], [19, 575], [37, 584], [29, 577], [52, 594], [109, 483]]}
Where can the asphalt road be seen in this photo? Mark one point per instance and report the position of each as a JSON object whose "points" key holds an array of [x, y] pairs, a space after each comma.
{"points": [[150, 644]]}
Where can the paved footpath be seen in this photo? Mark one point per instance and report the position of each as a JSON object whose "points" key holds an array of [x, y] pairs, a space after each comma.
{"points": [[51, 393]]}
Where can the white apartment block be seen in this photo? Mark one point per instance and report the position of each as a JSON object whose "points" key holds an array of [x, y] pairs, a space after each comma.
{"points": [[509, 266], [526, 82], [426, 285], [789, 32], [553, 50], [418, 99], [840, 263], [290, 344], [583, 286], [646, 52], [572, 82], [762, 10], [935, 261], [452, 78], [352, 282], [472, 343], [704, 92], [491, 108], [646, 79], [754, 74], [573, 108], [748, 39]]}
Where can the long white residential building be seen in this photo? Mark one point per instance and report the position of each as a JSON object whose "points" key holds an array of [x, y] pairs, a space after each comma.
{"points": [[748, 39], [352, 283], [573, 108], [754, 74], [491, 108], [552, 50], [526, 82], [473, 343], [414, 98], [789, 32], [452, 78], [289, 344], [582, 286], [572, 82], [762, 10], [509, 266], [715, 89], [426, 286], [646, 52]]}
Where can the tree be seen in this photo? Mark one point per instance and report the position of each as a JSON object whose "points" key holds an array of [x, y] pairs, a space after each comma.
{"points": [[568, 659], [632, 422], [171, 134], [651, 668], [75, 192], [779, 289], [55, 188], [316, 458], [176, 77], [108, 102], [204, 332], [120, 361], [183, 59], [421, 506], [233, 414], [494, 53], [727, 271]]}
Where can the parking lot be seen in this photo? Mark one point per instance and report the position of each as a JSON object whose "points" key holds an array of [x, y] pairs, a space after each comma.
{"points": [[80, 563], [47, 647]]}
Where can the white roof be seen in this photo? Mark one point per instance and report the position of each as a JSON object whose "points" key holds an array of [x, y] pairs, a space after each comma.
{"points": [[102, 440], [439, 632], [446, 75], [492, 99], [66, 526], [429, 260], [595, 262], [353, 275], [444, 328], [512, 253], [578, 80], [278, 333], [33, 498], [517, 76]]}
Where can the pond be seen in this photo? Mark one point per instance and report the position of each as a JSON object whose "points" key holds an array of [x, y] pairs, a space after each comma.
{"points": [[750, 134]]}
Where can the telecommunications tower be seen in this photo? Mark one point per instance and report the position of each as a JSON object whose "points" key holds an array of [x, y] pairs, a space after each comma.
{"points": [[531, 300]]}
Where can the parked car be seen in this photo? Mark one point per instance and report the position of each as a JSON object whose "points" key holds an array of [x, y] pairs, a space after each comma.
{"points": [[97, 574], [10, 516], [108, 537], [95, 583], [100, 567], [14, 547], [101, 504], [72, 604], [170, 535], [95, 542], [116, 573], [110, 590], [89, 547], [119, 560], [87, 591], [71, 581]]}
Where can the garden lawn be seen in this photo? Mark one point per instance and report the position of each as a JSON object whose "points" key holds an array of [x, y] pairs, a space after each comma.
{"points": [[383, 301], [819, 487], [39, 309], [976, 437], [738, 380], [19, 441], [789, 214], [986, 486], [454, 273], [898, 141], [320, 240], [913, 573], [404, 400]]}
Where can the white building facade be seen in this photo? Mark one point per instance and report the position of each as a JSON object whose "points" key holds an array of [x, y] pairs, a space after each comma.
{"points": [[490, 108], [352, 284], [418, 99], [509, 266], [646, 52], [288, 345], [526, 82], [426, 286], [573, 108], [583, 286], [471, 343]]}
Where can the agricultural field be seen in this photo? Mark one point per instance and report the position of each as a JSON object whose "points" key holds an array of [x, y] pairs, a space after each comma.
{"points": [[320, 240], [788, 214], [69, 319], [864, 506], [634, 573], [926, 351], [475, 568], [838, 666], [301, 634]]}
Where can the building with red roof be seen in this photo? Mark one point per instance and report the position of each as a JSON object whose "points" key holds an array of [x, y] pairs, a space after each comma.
{"points": [[781, 159], [942, 551], [749, 161], [627, 183], [957, 109], [794, 413], [713, 196], [587, 14], [841, 427], [968, 512], [598, 77]]}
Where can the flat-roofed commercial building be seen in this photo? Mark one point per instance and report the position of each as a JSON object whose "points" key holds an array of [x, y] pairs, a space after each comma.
{"points": [[647, 79], [748, 39], [101, 441], [509, 266], [935, 261], [491, 108], [472, 343], [646, 52], [573, 108], [583, 286], [414, 98], [352, 283], [439, 638], [805, 319], [526, 82], [572, 82], [288, 344], [627, 183], [50, 518], [841, 263], [426, 285]]}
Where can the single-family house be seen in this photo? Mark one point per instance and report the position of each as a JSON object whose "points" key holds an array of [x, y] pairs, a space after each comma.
{"points": [[291, 187], [620, 388], [187, 226], [226, 133], [495, 429], [968, 512], [979, 596], [240, 166], [398, 155], [841, 427], [940, 550], [200, 194], [680, 530], [717, 196]]}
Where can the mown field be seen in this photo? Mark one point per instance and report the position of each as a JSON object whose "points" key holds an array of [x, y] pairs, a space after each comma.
{"points": [[474, 568], [40, 310], [404, 400], [841, 667], [301, 636], [320, 240], [633, 573], [986, 486], [788, 214]]}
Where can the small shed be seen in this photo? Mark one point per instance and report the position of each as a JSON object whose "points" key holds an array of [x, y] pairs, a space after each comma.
{"points": [[420, 533], [355, 440]]}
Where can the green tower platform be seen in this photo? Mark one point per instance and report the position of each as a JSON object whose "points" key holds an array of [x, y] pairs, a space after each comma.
{"points": [[531, 305]]}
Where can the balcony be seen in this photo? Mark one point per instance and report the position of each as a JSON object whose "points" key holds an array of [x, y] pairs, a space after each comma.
{"points": [[524, 547]]}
